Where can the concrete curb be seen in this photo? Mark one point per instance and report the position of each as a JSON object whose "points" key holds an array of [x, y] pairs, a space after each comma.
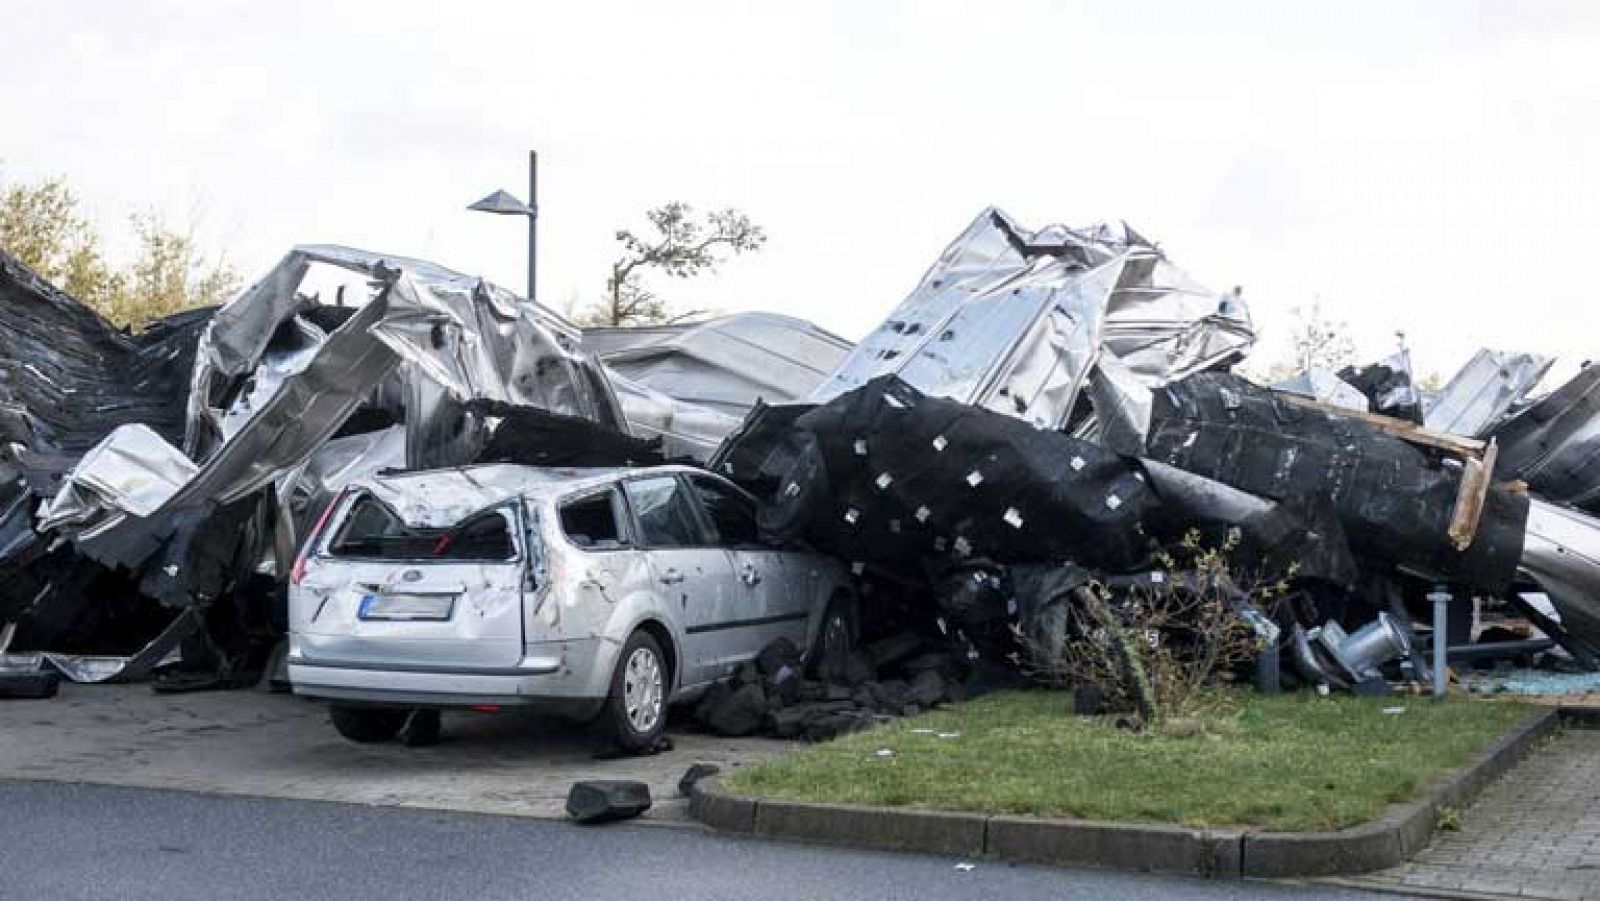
{"points": [[1398, 834]]}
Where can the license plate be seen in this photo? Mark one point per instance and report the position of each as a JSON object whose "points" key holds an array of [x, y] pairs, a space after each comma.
{"points": [[407, 607]]}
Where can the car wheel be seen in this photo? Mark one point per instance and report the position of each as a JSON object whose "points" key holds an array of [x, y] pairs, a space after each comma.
{"points": [[836, 640], [367, 724], [636, 709]]}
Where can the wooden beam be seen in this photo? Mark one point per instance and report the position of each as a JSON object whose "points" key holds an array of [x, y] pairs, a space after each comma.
{"points": [[1400, 428], [1475, 480]]}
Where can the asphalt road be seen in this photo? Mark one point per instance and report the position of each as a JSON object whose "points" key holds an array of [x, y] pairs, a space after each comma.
{"points": [[66, 841]]}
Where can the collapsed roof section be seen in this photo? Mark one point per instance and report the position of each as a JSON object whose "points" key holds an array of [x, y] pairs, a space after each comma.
{"points": [[690, 384], [279, 371], [724, 364], [1013, 321], [68, 376]]}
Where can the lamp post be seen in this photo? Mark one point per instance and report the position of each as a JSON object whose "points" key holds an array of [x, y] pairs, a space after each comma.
{"points": [[506, 204]]}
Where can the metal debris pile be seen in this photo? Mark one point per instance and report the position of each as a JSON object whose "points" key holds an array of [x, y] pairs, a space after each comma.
{"points": [[156, 486], [1045, 409], [1057, 408]]}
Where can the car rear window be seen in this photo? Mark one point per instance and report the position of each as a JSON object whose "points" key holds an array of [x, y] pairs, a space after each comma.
{"points": [[373, 531]]}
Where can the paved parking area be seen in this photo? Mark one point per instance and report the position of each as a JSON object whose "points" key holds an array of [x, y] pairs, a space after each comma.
{"points": [[273, 745], [1533, 834]]}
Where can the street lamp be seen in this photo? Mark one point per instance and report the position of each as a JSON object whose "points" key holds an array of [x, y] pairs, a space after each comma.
{"points": [[506, 204]]}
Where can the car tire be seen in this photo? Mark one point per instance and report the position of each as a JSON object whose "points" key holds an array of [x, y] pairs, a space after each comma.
{"points": [[635, 713], [836, 639], [367, 725]]}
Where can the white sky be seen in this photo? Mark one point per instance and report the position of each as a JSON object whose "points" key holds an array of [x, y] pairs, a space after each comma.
{"points": [[1420, 166]]}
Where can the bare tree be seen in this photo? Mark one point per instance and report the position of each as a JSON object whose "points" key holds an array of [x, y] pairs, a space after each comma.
{"points": [[683, 246], [1317, 341]]}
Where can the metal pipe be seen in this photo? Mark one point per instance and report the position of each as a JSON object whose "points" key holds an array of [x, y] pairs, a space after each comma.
{"points": [[1492, 649], [1441, 641], [533, 221]]}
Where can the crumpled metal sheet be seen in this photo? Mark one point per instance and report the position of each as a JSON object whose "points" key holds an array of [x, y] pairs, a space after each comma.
{"points": [[133, 470], [1326, 387], [101, 669], [1553, 444], [242, 329], [465, 335], [104, 669], [302, 415], [1562, 553], [303, 492], [684, 429], [1122, 403], [1012, 320], [1483, 390], [487, 345], [723, 364], [451, 340], [297, 342]]}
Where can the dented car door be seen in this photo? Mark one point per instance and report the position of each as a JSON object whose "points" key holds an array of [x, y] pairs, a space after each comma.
{"points": [[693, 575], [772, 605]]}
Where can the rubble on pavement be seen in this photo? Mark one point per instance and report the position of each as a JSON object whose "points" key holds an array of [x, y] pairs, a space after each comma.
{"points": [[778, 695]]}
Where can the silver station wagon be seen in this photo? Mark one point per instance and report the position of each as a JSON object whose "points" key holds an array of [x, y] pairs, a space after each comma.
{"points": [[586, 592]]}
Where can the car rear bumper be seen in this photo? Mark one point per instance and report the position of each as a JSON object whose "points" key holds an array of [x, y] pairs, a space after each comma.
{"points": [[568, 678]]}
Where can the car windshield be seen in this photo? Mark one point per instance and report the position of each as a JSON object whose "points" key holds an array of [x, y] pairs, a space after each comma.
{"points": [[373, 531]]}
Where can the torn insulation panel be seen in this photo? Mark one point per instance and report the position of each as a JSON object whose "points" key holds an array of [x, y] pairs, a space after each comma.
{"points": [[1395, 499]]}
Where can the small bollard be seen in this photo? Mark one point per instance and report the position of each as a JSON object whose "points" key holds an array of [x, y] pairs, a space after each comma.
{"points": [[1441, 598], [1267, 678]]}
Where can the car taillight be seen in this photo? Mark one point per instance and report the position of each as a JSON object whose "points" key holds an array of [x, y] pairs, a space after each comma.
{"points": [[304, 557]]}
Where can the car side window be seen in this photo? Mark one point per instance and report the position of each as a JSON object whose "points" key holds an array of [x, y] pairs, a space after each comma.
{"points": [[730, 512], [664, 511], [591, 522]]}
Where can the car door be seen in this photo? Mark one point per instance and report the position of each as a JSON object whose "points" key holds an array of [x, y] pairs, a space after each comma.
{"points": [[692, 574], [774, 606], [395, 595]]}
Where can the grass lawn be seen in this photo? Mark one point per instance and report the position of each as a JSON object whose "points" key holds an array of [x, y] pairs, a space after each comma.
{"points": [[1287, 763]]}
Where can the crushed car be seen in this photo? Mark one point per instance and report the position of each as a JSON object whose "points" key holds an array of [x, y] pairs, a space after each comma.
{"points": [[588, 593]]}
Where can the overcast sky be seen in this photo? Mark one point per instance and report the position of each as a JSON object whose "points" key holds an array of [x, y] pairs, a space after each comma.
{"points": [[1425, 167]]}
